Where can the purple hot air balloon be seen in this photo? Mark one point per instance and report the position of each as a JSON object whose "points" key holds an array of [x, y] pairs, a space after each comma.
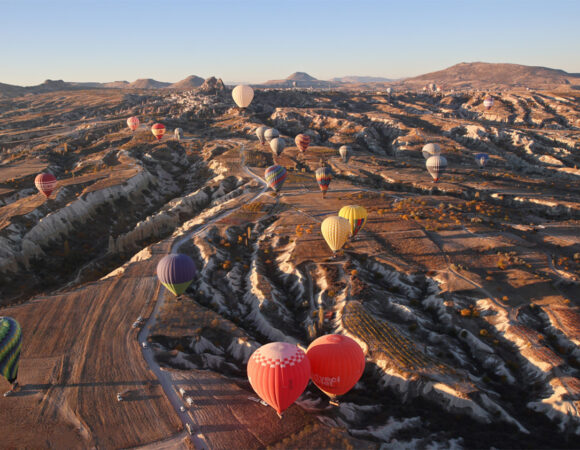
{"points": [[176, 272]]}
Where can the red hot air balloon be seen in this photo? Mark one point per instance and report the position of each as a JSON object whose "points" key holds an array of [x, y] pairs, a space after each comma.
{"points": [[337, 362], [158, 130], [279, 372], [45, 183], [302, 142], [133, 123]]}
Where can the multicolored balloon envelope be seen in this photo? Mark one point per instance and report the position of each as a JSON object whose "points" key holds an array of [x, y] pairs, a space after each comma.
{"points": [[10, 346], [335, 231], [279, 372], [336, 363], [45, 183], [243, 95], [431, 150], [345, 151], [133, 123], [158, 130], [176, 272], [271, 133], [436, 165], [488, 102], [356, 216], [277, 145], [260, 131], [481, 159], [275, 176], [302, 142], [323, 178]]}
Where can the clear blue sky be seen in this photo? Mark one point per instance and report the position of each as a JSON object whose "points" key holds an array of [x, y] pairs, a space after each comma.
{"points": [[257, 40]]}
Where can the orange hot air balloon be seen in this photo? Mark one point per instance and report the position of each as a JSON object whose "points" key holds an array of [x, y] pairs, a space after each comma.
{"points": [[302, 142], [133, 123], [45, 183], [158, 130], [279, 372], [337, 362]]}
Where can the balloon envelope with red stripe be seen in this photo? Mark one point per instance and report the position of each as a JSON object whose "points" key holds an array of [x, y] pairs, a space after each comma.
{"points": [[323, 178], [302, 142], [45, 183], [133, 123], [158, 130], [275, 176], [279, 372]]}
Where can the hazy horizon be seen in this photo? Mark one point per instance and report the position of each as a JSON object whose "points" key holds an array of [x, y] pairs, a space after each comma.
{"points": [[257, 40]]}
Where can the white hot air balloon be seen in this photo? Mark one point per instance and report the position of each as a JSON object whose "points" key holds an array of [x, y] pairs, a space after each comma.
{"points": [[436, 166], [271, 133], [260, 133], [243, 95], [178, 133], [345, 151], [431, 150], [277, 145]]}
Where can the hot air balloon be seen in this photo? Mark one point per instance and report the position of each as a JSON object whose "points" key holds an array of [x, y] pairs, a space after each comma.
{"points": [[323, 178], [275, 176], [271, 133], [336, 363], [176, 272], [431, 150], [302, 142], [436, 166], [356, 216], [345, 152], [389, 91], [481, 159], [133, 123], [277, 145], [488, 102], [243, 95], [45, 183], [335, 231], [158, 130], [279, 372], [10, 346], [178, 133], [260, 133]]}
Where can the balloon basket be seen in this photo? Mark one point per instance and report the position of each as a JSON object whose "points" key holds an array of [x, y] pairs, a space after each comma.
{"points": [[333, 402]]}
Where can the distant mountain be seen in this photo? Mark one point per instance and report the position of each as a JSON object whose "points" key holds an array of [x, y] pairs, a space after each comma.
{"points": [[191, 82], [361, 79], [116, 84], [148, 83], [297, 79], [301, 76], [481, 75]]}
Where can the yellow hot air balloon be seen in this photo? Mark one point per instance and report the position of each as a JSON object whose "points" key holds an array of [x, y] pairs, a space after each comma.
{"points": [[335, 231], [356, 215]]}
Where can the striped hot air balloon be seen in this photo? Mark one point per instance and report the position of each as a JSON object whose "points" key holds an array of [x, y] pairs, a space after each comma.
{"points": [[243, 95], [277, 145], [158, 130], [436, 165], [302, 142], [279, 372], [323, 178], [275, 176], [335, 231], [356, 216], [345, 151], [10, 347], [271, 133], [431, 150], [488, 102], [133, 123], [481, 159], [176, 272], [260, 133], [45, 183], [336, 363]]}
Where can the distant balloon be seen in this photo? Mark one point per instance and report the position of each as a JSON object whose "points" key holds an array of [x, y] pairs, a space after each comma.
{"points": [[133, 123], [176, 272], [10, 347], [279, 372], [488, 102], [158, 130], [436, 165], [275, 176], [481, 159], [271, 133], [45, 183], [356, 216], [323, 178], [336, 363], [260, 133], [277, 145], [389, 91], [243, 95], [345, 152], [178, 133], [302, 142], [335, 231], [431, 150]]}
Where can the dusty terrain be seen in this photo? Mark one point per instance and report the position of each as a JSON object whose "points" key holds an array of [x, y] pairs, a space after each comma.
{"points": [[464, 294]]}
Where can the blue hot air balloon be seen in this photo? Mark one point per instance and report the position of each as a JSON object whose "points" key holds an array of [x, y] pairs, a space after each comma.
{"points": [[176, 272], [481, 159], [10, 346], [275, 176]]}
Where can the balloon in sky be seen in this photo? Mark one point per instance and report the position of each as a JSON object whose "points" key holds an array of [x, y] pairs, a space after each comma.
{"points": [[431, 150], [302, 142], [345, 152], [10, 346], [323, 178], [271, 133], [243, 95], [336, 363], [133, 123], [176, 272], [481, 159], [158, 130], [178, 133], [436, 166], [45, 183], [277, 145], [356, 216], [275, 176], [260, 133], [335, 231], [488, 102], [279, 372]]}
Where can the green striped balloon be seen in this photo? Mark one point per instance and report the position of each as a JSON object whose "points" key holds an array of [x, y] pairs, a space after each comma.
{"points": [[10, 346]]}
